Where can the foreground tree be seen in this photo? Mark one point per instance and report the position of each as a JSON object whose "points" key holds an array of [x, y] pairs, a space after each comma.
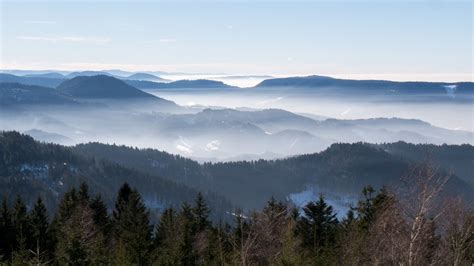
{"points": [[131, 225], [6, 232], [458, 241], [22, 230], [422, 206], [41, 236], [317, 227]]}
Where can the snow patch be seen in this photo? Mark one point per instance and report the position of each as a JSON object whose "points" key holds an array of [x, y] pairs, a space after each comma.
{"points": [[450, 90], [184, 149], [213, 145], [184, 146]]}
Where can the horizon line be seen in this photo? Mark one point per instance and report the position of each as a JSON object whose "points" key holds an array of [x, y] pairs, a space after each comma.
{"points": [[396, 77]]}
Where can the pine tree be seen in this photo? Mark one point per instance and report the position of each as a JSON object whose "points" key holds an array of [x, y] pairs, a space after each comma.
{"points": [[67, 206], [84, 192], [167, 240], [201, 214], [132, 225], [80, 240], [22, 229], [186, 221], [101, 217], [7, 236], [41, 237], [367, 208], [317, 226]]}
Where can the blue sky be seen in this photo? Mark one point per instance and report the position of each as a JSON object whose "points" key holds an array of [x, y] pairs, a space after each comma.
{"points": [[407, 40]]}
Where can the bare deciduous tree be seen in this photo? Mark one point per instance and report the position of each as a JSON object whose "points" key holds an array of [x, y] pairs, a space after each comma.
{"points": [[457, 227], [420, 204]]}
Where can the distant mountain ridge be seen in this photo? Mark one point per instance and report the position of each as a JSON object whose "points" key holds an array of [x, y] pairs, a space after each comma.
{"points": [[180, 84], [21, 94], [100, 86], [145, 76], [402, 86], [39, 80]]}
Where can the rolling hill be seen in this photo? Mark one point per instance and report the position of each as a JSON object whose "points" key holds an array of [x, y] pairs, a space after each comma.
{"points": [[30, 168], [180, 84], [31, 80], [342, 169], [145, 76], [12, 94], [100, 86], [372, 86]]}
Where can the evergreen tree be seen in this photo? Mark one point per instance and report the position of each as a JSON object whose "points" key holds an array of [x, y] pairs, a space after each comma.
{"points": [[201, 214], [23, 231], [367, 208], [317, 226], [167, 240], [132, 225], [79, 240], [83, 193], [67, 206], [100, 215], [7, 234], [41, 236], [186, 221]]}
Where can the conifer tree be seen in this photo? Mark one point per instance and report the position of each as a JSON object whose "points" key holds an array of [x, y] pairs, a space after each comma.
{"points": [[317, 226], [41, 236], [100, 215], [132, 225], [22, 229], [186, 221], [7, 234], [167, 239], [83, 193], [201, 213]]}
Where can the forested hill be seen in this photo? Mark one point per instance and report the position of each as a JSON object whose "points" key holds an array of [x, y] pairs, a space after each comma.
{"points": [[31, 169], [341, 169]]}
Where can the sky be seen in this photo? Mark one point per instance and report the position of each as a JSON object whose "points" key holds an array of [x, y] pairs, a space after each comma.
{"points": [[406, 40]]}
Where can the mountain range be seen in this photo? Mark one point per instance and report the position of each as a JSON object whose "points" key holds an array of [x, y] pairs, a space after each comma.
{"points": [[369, 86]]}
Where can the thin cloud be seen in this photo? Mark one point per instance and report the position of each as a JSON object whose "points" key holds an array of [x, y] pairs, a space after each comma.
{"points": [[71, 39], [156, 41], [167, 40], [39, 22]]}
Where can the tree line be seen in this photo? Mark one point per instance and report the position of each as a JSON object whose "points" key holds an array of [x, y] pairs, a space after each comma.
{"points": [[383, 228]]}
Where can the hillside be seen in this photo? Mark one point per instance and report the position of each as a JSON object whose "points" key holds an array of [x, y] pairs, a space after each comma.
{"points": [[342, 169], [144, 76], [179, 84], [100, 86], [20, 94], [378, 85], [30, 168], [33, 80]]}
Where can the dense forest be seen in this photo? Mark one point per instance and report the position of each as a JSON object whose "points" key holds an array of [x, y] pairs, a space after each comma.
{"points": [[97, 204], [32, 169], [342, 168], [380, 230]]}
